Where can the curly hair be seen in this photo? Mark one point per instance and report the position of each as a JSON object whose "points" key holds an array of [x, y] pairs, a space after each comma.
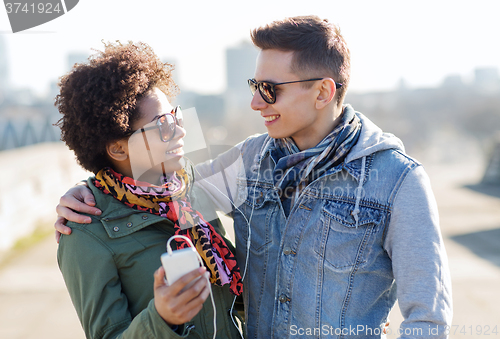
{"points": [[99, 99]]}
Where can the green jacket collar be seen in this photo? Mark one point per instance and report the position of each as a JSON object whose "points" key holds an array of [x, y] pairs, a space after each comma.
{"points": [[118, 219]]}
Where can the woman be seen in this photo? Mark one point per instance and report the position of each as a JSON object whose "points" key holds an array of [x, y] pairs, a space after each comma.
{"points": [[113, 108]]}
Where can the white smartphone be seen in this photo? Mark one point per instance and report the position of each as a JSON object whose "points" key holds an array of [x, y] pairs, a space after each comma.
{"points": [[179, 263]]}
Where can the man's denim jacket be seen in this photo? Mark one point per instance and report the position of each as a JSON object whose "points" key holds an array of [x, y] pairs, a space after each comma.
{"points": [[330, 269]]}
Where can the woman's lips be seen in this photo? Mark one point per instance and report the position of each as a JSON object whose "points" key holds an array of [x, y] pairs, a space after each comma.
{"points": [[177, 150]]}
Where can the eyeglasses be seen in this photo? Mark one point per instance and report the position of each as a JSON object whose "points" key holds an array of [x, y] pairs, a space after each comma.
{"points": [[267, 89], [166, 123]]}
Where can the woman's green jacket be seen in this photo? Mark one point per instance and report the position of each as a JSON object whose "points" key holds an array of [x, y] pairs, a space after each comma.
{"points": [[108, 267]]}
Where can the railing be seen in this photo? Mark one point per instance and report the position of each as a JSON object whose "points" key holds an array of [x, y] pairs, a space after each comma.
{"points": [[19, 133]]}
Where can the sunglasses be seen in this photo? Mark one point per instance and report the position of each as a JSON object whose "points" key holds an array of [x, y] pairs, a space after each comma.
{"points": [[166, 123], [267, 89]]}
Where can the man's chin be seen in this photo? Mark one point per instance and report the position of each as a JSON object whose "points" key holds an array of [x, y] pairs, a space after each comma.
{"points": [[275, 134]]}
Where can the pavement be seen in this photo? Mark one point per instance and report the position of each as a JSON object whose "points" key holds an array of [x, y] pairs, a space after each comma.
{"points": [[34, 303]]}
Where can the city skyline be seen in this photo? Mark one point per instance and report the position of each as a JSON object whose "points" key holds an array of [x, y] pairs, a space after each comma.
{"points": [[474, 75], [389, 40]]}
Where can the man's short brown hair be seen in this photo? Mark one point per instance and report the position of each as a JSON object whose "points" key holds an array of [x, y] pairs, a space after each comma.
{"points": [[320, 50]]}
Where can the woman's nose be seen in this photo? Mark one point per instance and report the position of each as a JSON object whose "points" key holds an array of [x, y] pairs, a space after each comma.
{"points": [[180, 132]]}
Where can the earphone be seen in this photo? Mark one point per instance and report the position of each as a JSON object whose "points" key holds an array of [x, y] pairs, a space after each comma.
{"points": [[249, 232]]}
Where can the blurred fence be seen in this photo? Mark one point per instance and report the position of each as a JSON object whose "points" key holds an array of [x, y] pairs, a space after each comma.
{"points": [[35, 170], [16, 133], [32, 179]]}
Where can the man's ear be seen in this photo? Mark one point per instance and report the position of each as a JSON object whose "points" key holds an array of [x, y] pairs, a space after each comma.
{"points": [[326, 93], [118, 150]]}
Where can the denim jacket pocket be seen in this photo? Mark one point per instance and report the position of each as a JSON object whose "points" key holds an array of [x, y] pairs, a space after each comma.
{"points": [[341, 242], [257, 212]]}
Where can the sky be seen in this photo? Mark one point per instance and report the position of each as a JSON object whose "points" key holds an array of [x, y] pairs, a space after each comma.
{"points": [[418, 41]]}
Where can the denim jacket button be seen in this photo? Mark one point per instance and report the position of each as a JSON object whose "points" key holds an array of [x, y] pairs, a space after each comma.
{"points": [[282, 298], [287, 251]]}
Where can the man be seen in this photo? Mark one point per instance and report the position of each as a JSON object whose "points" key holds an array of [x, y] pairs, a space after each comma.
{"points": [[336, 215]]}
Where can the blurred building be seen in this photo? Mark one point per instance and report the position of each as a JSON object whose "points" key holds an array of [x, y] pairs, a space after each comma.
{"points": [[240, 120], [227, 118], [453, 82], [240, 66], [210, 109], [487, 79]]}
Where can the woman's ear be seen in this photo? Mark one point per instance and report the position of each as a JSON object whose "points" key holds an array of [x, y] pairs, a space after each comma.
{"points": [[326, 93], [118, 150]]}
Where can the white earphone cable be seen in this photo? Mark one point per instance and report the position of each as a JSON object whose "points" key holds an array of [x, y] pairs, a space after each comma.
{"points": [[249, 235]]}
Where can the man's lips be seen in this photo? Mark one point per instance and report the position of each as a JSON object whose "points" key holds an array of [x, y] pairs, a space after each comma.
{"points": [[271, 118]]}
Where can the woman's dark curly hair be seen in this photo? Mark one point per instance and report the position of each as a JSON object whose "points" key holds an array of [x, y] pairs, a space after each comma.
{"points": [[98, 99]]}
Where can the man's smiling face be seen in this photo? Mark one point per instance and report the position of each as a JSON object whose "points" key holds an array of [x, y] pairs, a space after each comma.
{"points": [[293, 114]]}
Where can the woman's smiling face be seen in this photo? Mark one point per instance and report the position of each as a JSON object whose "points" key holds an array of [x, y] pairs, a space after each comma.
{"points": [[147, 152]]}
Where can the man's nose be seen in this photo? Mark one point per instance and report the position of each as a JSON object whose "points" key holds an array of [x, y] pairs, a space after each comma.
{"points": [[257, 102]]}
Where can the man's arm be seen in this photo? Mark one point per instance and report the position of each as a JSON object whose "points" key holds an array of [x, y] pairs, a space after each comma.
{"points": [[419, 259], [78, 198], [218, 179]]}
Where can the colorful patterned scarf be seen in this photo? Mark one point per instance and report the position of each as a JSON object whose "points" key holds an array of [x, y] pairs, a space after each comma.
{"points": [[170, 200], [295, 169]]}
